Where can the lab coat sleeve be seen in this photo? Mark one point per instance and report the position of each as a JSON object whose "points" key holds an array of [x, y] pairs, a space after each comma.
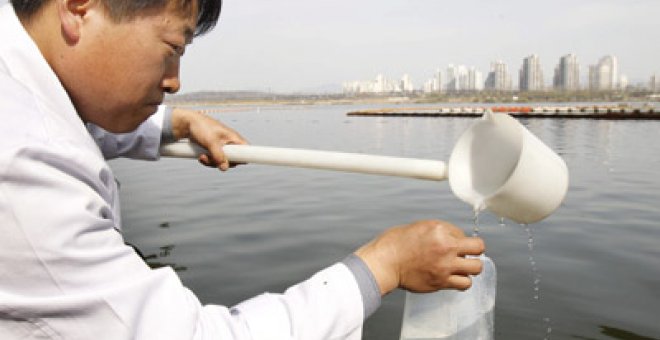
{"points": [[143, 143], [79, 281], [327, 306], [369, 289]]}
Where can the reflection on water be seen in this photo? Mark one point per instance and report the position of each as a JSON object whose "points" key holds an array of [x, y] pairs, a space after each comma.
{"points": [[616, 333], [155, 260], [256, 228]]}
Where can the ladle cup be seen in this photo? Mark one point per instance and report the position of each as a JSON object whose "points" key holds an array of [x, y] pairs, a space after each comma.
{"points": [[496, 164], [499, 165]]}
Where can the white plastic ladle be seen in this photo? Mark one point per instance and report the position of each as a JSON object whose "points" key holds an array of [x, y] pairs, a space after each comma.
{"points": [[315, 159], [496, 163]]}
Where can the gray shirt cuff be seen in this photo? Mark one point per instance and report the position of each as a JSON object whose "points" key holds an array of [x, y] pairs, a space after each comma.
{"points": [[167, 134], [366, 281]]}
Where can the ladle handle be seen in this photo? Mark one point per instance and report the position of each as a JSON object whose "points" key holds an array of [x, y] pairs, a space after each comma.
{"points": [[326, 160]]}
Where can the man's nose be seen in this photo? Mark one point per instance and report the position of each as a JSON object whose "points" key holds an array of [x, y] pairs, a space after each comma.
{"points": [[171, 82]]}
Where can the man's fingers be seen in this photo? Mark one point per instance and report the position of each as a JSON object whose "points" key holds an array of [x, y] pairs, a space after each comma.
{"points": [[453, 230], [472, 266], [204, 159], [471, 246], [215, 158], [459, 282], [237, 139], [220, 159]]}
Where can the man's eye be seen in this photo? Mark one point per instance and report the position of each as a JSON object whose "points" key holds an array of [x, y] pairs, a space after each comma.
{"points": [[180, 50]]}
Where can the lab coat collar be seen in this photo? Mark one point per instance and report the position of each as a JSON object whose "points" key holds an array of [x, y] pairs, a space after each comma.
{"points": [[21, 59]]}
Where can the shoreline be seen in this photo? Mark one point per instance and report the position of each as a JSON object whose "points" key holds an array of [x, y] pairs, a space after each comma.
{"points": [[406, 107], [399, 101], [609, 112]]}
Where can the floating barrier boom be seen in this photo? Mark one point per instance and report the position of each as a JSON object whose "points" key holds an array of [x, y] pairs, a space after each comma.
{"points": [[569, 112]]}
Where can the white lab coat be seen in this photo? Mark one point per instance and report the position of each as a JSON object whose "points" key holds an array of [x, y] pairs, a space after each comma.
{"points": [[65, 272]]}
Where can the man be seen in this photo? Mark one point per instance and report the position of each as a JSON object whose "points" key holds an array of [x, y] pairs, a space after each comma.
{"points": [[82, 81]]}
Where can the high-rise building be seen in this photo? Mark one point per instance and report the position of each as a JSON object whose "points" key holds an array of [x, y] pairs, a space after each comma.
{"points": [[437, 81], [593, 78], [380, 85], [654, 85], [498, 79], [531, 75], [460, 78], [604, 75], [567, 74], [475, 80], [406, 84], [452, 82], [434, 85], [383, 85], [623, 82], [463, 78], [428, 87], [610, 62]]}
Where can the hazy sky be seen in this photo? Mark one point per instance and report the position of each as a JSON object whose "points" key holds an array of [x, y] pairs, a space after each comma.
{"points": [[302, 45]]}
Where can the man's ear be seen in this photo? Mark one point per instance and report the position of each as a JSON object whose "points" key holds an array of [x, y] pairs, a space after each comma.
{"points": [[72, 17]]}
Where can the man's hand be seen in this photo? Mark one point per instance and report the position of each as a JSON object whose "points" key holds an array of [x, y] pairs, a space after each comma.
{"points": [[207, 132], [423, 257]]}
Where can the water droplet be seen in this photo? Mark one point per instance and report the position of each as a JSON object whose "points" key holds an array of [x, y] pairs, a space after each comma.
{"points": [[536, 280], [537, 289], [479, 206], [475, 220]]}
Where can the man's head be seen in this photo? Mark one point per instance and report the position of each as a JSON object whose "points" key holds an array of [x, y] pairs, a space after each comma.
{"points": [[116, 59], [209, 10]]}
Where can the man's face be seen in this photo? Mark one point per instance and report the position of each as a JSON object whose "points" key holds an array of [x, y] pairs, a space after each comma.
{"points": [[124, 68]]}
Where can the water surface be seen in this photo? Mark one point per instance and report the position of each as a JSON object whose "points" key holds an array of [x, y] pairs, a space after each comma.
{"points": [[258, 228]]}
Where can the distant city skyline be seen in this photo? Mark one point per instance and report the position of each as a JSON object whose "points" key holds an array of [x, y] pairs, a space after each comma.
{"points": [[568, 75], [302, 45]]}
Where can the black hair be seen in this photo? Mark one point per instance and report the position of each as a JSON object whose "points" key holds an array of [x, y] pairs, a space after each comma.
{"points": [[207, 17]]}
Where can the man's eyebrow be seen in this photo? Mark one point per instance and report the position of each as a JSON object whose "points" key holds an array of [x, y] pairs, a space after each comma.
{"points": [[189, 33]]}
